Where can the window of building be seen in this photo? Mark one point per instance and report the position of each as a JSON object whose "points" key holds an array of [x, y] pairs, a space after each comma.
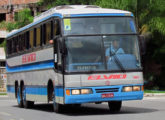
{"points": [[2, 64]]}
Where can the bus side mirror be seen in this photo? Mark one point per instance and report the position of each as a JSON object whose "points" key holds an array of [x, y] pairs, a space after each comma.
{"points": [[142, 43]]}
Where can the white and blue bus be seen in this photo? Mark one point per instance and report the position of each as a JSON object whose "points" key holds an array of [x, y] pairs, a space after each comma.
{"points": [[75, 54]]}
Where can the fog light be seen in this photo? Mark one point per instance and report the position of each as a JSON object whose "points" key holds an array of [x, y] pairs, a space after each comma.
{"points": [[136, 88], [127, 89], [86, 91], [75, 92]]}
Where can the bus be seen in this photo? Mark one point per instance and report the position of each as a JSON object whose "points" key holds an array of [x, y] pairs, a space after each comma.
{"points": [[75, 54]]}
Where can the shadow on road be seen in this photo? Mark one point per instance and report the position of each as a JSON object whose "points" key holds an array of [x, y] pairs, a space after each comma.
{"points": [[92, 109]]}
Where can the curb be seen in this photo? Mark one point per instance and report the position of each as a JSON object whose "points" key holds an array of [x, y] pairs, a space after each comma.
{"points": [[153, 94]]}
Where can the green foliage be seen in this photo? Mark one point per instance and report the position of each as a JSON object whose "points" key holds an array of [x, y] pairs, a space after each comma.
{"points": [[23, 18]]}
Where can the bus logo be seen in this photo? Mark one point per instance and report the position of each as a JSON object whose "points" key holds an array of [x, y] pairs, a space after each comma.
{"points": [[107, 77], [29, 58]]}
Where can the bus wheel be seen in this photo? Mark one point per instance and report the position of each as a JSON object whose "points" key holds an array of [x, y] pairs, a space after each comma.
{"points": [[26, 104], [56, 106], [114, 106], [19, 99]]}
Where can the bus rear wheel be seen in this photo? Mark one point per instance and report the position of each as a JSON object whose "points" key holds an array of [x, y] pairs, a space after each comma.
{"points": [[26, 104], [114, 106], [19, 98]]}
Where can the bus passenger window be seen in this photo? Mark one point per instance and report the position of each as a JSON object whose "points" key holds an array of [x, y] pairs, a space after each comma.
{"points": [[51, 34], [56, 28], [38, 36], [27, 39], [23, 42], [44, 33], [31, 39], [34, 40], [48, 32], [20, 43]]}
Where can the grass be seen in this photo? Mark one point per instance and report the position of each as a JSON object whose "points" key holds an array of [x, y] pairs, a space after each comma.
{"points": [[153, 91], [3, 93]]}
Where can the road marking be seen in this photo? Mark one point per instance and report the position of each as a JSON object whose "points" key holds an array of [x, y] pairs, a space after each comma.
{"points": [[5, 114]]}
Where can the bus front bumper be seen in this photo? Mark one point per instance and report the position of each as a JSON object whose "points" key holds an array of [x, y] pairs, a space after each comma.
{"points": [[98, 97]]}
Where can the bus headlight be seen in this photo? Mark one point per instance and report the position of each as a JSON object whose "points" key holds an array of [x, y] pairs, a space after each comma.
{"points": [[75, 92], [136, 88], [86, 91], [127, 89]]}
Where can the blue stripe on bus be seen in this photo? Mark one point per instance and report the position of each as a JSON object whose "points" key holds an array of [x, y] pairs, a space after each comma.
{"points": [[34, 66], [38, 90], [100, 14]]}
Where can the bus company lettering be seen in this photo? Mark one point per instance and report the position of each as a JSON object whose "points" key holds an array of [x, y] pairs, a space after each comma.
{"points": [[107, 77], [29, 58]]}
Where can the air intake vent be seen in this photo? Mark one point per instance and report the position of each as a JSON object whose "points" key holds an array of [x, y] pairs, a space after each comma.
{"points": [[92, 6], [107, 90], [64, 7]]}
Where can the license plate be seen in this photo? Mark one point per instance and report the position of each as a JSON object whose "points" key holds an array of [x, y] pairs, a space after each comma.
{"points": [[107, 95]]}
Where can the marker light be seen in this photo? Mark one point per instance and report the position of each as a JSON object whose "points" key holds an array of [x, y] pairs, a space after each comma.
{"points": [[86, 91], [75, 92], [127, 89], [136, 88], [67, 92]]}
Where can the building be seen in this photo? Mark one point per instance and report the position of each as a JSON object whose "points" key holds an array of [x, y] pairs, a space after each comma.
{"points": [[3, 76], [8, 9]]}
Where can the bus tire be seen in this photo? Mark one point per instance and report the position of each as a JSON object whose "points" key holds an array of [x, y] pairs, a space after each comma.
{"points": [[19, 98], [114, 106], [56, 106], [26, 104]]}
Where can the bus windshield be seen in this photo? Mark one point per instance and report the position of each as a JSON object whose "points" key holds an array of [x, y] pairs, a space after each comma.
{"points": [[99, 25], [102, 53]]}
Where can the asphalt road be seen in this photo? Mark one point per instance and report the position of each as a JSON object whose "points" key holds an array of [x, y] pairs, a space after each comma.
{"points": [[151, 108]]}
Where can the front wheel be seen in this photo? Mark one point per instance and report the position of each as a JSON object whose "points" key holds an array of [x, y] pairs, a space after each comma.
{"points": [[56, 106], [114, 106]]}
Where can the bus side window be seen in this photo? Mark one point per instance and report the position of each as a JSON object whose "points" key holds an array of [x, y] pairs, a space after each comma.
{"points": [[38, 42], [14, 40], [44, 33], [20, 42], [9, 47], [31, 39], [27, 39], [23, 42], [56, 28], [48, 32], [34, 40]]}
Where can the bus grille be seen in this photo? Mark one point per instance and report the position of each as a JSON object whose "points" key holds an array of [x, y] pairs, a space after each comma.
{"points": [[107, 90]]}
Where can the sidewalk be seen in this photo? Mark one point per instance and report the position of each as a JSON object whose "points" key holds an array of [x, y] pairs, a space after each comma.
{"points": [[153, 94]]}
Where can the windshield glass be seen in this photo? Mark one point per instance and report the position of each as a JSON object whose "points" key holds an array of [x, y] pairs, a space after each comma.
{"points": [[99, 25], [102, 53]]}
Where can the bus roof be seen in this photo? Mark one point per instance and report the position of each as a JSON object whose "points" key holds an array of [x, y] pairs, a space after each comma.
{"points": [[73, 11]]}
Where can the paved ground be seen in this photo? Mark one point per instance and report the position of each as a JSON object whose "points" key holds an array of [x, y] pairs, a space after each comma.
{"points": [[151, 108]]}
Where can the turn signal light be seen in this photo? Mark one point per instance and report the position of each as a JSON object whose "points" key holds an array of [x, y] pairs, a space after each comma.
{"points": [[67, 92]]}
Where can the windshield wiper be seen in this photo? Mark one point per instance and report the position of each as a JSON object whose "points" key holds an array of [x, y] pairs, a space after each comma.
{"points": [[117, 61]]}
